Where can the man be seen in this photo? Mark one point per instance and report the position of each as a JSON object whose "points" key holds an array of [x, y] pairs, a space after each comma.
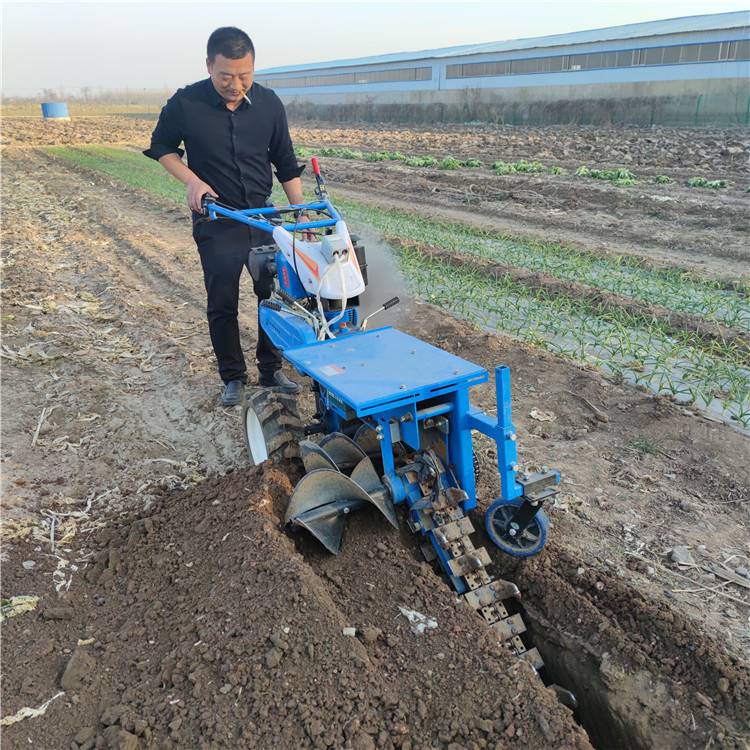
{"points": [[233, 130]]}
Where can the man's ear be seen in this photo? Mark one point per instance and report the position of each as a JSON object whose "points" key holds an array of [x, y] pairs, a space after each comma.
{"points": [[209, 65]]}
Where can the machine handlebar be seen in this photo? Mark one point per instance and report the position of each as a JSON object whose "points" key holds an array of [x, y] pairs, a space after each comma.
{"points": [[267, 218]]}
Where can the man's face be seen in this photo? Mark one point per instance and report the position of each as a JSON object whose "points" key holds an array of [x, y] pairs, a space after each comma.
{"points": [[231, 78]]}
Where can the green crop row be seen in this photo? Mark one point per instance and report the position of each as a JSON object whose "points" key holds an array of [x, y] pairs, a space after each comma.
{"points": [[523, 166], [128, 166], [623, 176], [627, 346], [617, 176], [674, 289], [620, 176], [447, 162], [702, 182]]}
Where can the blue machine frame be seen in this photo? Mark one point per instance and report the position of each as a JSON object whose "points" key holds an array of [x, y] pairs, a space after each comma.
{"points": [[394, 382], [403, 389], [244, 215]]}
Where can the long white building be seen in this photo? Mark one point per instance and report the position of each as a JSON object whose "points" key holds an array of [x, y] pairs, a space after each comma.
{"points": [[692, 70]]}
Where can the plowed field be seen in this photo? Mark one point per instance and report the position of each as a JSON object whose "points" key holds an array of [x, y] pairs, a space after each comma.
{"points": [[174, 610]]}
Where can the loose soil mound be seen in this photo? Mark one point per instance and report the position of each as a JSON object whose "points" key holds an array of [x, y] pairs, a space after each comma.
{"points": [[198, 624]]}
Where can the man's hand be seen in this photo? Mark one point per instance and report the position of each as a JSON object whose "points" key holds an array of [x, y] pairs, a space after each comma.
{"points": [[303, 218], [196, 189], [293, 190]]}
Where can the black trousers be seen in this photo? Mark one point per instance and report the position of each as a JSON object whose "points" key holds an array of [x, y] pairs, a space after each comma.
{"points": [[224, 246]]}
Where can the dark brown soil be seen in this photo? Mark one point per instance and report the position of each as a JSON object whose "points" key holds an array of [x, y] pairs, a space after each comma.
{"points": [[724, 150], [715, 150], [197, 623], [34, 131], [208, 629]]}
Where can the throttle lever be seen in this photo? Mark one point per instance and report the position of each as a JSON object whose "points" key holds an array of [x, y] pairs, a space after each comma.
{"points": [[385, 306], [320, 190]]}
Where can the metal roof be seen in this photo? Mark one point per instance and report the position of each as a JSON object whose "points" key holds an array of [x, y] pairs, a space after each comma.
{"points": [[685, 24]]}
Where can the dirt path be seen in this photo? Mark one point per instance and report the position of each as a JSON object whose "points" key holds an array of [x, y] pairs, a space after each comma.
{"points": [[106, 353]]}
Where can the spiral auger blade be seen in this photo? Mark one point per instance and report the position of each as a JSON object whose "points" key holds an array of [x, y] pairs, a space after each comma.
{"points": [[326, 495], [366, 438], [346, 454], [314, 457], [365, 476]]}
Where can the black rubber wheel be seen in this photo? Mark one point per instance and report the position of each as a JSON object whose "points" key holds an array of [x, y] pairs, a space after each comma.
{"points": [[271, 426]]}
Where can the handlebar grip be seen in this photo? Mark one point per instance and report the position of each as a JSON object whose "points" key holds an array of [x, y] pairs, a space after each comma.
{"points": [[391, 303], [205, 200], [315, 165]]}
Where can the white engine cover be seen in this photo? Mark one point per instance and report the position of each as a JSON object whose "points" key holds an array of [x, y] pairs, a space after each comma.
{"points": [[312, 265]]}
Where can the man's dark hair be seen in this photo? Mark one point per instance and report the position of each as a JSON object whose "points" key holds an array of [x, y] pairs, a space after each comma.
{"points": [[230, 42]]}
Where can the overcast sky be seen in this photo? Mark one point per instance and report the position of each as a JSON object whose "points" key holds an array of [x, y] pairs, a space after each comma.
{"points": [[64, 45]]}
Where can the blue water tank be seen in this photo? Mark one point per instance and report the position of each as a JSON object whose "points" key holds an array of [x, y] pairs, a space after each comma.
{"points": [[55, 111]]}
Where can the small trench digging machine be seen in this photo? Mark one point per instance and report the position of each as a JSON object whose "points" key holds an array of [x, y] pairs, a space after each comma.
{"points": [[394, 414]]}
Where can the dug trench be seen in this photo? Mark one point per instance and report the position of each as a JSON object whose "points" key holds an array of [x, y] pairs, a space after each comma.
{"points": [[642, 673], [199, 622]]}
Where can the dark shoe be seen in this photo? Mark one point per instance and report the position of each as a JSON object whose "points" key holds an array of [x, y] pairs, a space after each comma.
{"points": [[280, 381], [232, 394]]}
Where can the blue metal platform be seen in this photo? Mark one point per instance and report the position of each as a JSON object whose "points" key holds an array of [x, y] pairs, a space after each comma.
{"points": [[385, 366]]}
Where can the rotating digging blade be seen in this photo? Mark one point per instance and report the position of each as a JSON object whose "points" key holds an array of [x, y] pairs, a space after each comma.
{"points": [[314, 457], [366, 438], [346, 454], [323, 498]]}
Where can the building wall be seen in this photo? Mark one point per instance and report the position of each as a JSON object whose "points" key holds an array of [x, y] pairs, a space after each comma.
{"points": [[700, 93], [698, 102]]}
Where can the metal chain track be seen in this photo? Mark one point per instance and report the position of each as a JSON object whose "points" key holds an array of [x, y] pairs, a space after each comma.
{"points": [[439, 515], [451, 529]]}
